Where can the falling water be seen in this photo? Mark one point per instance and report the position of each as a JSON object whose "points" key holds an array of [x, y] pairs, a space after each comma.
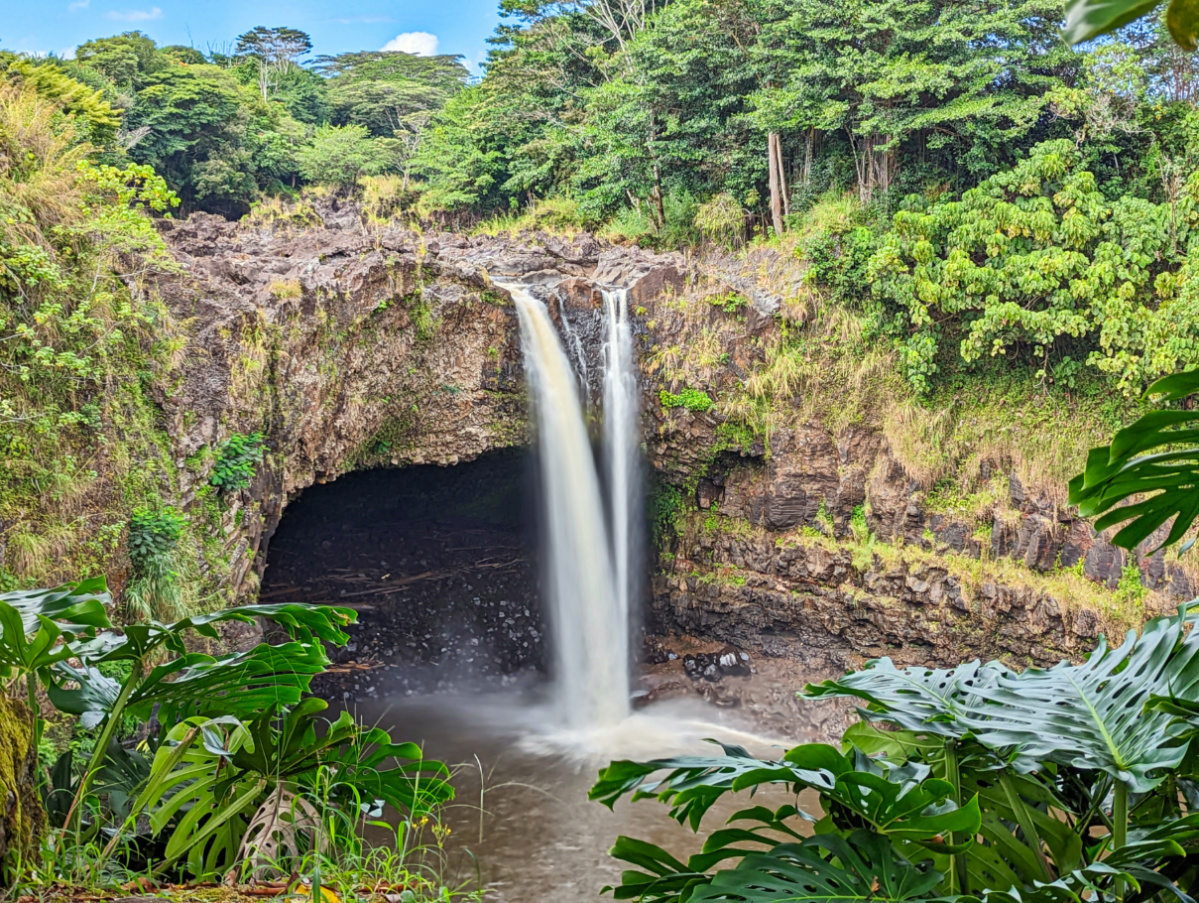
{"points": [[621, 444], [590, 617]]}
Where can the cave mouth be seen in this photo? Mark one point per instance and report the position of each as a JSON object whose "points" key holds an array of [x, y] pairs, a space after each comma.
{"points": [[438, 562]]}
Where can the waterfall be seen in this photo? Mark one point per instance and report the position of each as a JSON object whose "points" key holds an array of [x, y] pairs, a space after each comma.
{"points": [[621, 449], [588, 602]]}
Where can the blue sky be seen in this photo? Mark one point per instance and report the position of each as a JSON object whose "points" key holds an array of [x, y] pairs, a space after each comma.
{"points": [[58, 26]]}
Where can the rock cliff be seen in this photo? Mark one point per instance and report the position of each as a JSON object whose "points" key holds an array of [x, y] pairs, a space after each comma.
{"points": [[350, 348]]}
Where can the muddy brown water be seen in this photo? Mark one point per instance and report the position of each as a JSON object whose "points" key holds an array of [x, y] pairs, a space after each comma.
{"points": [[521, 824], [450, 651]]}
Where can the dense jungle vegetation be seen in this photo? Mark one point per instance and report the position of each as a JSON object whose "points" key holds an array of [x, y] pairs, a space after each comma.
{"points": [[979, 210]]}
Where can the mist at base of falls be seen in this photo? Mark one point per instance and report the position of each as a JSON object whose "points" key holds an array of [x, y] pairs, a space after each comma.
{"points": [[497, 601]]}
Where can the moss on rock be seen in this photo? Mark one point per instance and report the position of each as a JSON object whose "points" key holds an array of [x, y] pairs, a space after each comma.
{"points": [[22, 818]]}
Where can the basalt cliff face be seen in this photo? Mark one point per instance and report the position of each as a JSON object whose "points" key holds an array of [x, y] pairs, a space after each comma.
{"points": [[350, 349]]}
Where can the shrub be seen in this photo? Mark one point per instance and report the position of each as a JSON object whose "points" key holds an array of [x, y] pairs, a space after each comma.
{"points": [[153, 535], [694, 400], [721, 221], [1037, 258], [729, 302], [235, 462], [155, 589], [839, 255]]}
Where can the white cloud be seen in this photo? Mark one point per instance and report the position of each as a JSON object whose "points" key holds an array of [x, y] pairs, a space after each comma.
{"points": [[419, 42], [78, 5], [136, 15]]}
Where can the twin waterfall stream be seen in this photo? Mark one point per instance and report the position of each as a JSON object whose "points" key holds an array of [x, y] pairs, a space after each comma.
{"points": [[591, 519]]}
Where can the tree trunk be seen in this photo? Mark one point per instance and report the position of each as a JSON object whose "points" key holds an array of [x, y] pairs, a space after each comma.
{"points": [[776, 178], [809, 150], [659, 206], [786, 193]]}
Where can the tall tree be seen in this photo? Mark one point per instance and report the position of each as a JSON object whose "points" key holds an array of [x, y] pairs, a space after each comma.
{"points": [[275, 50]]}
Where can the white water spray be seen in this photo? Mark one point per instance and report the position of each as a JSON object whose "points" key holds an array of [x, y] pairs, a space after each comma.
{"points": [[590, 611]]}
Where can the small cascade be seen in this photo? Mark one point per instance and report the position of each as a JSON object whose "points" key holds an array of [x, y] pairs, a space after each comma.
{"points": [[590, 609]]}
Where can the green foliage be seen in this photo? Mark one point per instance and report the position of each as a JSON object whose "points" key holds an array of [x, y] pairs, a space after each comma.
{"points": [[1037, 259], [239, 737], [730, 302], [154, 534], [236, 460], [721, 220], [839, 256], [1152, 462], [694, 400], [341, 154], [984, 784], [663, 508]]}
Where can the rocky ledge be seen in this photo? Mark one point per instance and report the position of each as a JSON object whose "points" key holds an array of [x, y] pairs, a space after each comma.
{"points": [[352, 348]]}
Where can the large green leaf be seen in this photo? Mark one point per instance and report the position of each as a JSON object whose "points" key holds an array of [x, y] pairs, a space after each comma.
{"points": [[661, 877], [77, 607], [186, 793], [35, 623], [362, 764], [694, 783], [1087, 19], [1094, 715], [242, 684], [826, 868], [1164, 485], [899, 800], [921, 700], [138, 641]]}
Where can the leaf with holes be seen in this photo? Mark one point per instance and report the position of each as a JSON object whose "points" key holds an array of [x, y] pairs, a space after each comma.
{"points": [[1094, 715], [921, 700], [826, 868], [695, 783], [1163, 486]]}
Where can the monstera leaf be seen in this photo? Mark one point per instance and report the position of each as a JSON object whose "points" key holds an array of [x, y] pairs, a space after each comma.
{"points": [[77, 607], [188, 791], [900, 803], [921, 700], [362, 762], [1167, 478], [136, 642], [662, 877], [241, 684], [1094, 715], [827, 868], [34, 623]]}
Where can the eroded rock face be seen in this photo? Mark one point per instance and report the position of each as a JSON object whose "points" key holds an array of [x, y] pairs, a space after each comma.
{"points": [[350, 350]]}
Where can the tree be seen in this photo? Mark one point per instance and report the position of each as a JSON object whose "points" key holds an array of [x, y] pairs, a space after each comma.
{"points": [[196, 116], [275, 50], [340, 154], [124, 59]]}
